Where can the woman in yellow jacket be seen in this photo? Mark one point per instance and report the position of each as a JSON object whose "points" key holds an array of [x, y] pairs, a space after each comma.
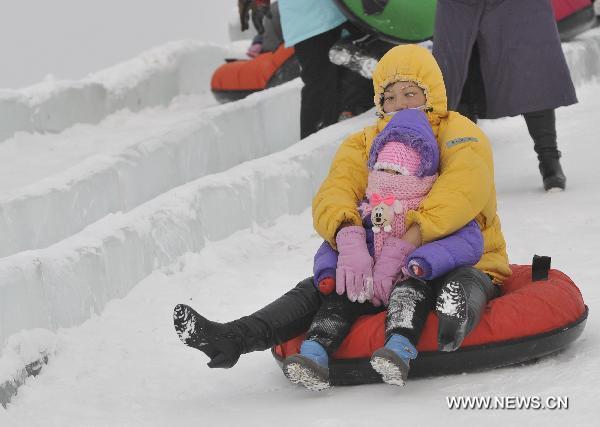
{"points": [[463, 191]]}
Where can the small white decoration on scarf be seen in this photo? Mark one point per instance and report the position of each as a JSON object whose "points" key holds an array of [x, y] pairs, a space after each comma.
{"points": [[382, 216]]}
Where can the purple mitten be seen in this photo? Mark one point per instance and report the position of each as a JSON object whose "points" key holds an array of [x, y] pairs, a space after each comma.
{"points": [[355, 265], [388, 268]]}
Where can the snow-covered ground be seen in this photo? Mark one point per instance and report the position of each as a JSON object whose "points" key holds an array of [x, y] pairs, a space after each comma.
{"points": [[232, 238]]}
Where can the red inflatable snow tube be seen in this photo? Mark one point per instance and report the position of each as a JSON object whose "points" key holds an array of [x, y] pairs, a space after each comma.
{"points": [[529, 320], [237, 79]]}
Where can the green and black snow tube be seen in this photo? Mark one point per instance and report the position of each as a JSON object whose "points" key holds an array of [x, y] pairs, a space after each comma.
{"points": [[411, 21], [396, 21]]}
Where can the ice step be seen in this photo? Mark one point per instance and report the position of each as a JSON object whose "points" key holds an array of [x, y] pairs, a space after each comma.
{"points": [[169, 149]]}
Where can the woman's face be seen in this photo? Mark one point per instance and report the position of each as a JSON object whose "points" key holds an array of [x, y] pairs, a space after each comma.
{"points": [[401, 95]]}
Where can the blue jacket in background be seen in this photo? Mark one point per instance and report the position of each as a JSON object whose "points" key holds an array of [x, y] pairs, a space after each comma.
{"points": [[302, 19]]}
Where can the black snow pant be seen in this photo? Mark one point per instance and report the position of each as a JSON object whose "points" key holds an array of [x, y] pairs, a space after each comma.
{"points": [[410, 303], [328, 88], [461, 298]]}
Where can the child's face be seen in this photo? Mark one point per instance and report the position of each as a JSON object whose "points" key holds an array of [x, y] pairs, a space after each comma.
{"points": [[402, 95]]}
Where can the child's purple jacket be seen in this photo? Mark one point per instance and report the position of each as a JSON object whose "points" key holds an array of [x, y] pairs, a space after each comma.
{"points": [[463, 248]]}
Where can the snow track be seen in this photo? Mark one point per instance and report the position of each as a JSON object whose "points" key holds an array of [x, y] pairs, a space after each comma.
{"points": [[129, 159], [180, 200]]}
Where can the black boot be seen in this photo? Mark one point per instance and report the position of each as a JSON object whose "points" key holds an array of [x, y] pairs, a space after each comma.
{"points": [[223, 343], [552, 174], [542, 128], [278, 322], [460, 302]]}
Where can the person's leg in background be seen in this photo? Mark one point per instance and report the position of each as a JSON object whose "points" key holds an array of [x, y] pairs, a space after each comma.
{"points": [[319, 103], [455, 33], [356, 91], [542, 128], [534, 82], [356, 94], [472, 101]]}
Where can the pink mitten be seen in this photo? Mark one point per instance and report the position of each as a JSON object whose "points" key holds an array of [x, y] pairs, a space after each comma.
{"points": [[388, 268], [355, 266]]}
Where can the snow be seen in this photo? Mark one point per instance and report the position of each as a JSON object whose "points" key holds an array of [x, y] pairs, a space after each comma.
{"points": [[213, 211], [404, 303], [25, 348], [448, 302]]}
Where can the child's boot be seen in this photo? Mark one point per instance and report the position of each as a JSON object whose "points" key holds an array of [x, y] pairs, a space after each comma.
{"points": [[392, 361], [310, 367]]}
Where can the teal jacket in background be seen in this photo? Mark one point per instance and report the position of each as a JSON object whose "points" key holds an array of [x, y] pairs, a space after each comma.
{"points": [[302, 19]]}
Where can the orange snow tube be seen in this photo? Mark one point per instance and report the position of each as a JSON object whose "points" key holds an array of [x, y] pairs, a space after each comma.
{"points": [[237, 79], [529, 320]]}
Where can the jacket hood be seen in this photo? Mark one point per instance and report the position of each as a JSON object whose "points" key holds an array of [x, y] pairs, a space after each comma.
{"points": [[410, 127], [411, 63]]}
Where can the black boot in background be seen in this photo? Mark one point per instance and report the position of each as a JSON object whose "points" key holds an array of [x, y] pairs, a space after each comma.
{"points": [[542, 128], [223, 343], [552, 174]]}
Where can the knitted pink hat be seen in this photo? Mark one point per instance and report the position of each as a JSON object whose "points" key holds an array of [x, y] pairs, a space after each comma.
{"points": [[398, 157]]}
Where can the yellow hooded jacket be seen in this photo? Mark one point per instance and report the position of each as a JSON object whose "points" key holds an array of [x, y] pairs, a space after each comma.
{"points": [[465, 187]]}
